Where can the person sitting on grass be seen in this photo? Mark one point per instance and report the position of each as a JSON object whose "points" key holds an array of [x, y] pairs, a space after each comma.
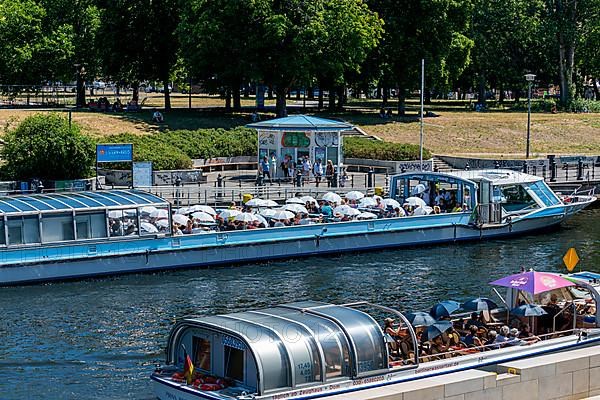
{"points": [[157, 116]]}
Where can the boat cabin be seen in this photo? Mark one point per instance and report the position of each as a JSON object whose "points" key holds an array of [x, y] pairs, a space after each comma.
{"points": [[287, 347], [495, 194], [77, 216]]}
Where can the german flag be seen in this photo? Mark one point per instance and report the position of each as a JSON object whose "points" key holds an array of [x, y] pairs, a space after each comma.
{"points": [[188, 367]]}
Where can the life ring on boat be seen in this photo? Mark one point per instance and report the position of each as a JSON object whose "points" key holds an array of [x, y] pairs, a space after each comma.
{"points": [[177, 377], [210, 379], [198, 382], [209, 387]]}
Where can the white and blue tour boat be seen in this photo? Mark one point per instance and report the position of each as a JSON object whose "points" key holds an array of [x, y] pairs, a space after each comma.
{"points": [[309, 349], [59, 236]]}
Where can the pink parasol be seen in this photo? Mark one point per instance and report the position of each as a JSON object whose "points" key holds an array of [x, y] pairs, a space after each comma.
{"points": [[533, 281]]}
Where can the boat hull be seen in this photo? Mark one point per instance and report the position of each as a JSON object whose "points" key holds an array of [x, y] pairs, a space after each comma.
{"points": [[207, 250]]}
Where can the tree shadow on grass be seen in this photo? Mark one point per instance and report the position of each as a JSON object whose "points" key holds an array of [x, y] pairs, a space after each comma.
{"points": [[186, 119]]}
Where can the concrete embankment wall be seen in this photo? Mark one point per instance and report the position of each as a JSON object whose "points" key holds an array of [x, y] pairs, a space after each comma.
{"points": [[562, 376]]}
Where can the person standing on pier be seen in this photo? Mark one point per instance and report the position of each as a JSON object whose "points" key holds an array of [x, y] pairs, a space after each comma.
{"points": [[318, 171]]}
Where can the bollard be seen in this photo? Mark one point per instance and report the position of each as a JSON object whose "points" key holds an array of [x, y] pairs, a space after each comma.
{"points": [[525, 167], [467, 166], [580, 170], [535, 170], [435, 168], [566, 168], [370, 177], [553, 170], [496, 164], [334, 180]]}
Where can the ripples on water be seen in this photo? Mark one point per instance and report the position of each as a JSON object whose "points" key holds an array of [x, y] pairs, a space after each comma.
{"points": [[100, 338]]}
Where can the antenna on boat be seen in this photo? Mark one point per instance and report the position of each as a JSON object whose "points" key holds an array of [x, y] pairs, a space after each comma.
{"points": [[422, 103]]}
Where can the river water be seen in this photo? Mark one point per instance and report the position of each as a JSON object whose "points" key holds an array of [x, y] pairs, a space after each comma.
{"points": [[100, 338]]}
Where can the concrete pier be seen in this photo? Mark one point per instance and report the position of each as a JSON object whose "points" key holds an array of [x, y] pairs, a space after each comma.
{"points": [[562, 376]]}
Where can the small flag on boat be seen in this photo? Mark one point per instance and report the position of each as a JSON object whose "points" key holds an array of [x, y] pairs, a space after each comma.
{"points": [[188, 367], [571, 259]]}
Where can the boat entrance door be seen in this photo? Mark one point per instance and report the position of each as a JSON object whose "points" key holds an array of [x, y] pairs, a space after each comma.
{"points": [[487, 210]]}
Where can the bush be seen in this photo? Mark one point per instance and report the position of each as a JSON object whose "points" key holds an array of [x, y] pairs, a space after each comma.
{"points": [[163, 155], [176, 149], [44, 146], [210, 143], [367, 148], [544, 105], [582, 105]]}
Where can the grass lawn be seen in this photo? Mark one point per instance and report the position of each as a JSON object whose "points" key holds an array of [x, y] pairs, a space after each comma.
{"points": [[454, 131]]}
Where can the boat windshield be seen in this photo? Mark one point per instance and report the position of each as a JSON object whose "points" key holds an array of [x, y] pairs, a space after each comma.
{"points": [[515, 198], [543, 192]]}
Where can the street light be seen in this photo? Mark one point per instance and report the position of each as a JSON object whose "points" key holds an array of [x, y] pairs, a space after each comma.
{"points": [[529, 78]]}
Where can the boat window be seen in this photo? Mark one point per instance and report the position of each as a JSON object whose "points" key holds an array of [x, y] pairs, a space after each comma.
{"points": [[335, 350], [515, 198], [23, 230], [158, 217], [57, 227], [234, 363], [123, 222], [2, 236], [544, 193], [201, 351], [91, 225]]}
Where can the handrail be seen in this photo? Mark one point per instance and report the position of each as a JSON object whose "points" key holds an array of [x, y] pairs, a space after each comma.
{"points": [[567, 306]]}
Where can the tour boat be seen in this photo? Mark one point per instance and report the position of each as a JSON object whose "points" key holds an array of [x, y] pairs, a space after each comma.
{"points": [[310, 349], [57, 236]]}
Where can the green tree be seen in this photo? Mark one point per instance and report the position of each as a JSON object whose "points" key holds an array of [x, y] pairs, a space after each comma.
{"points": [[45, 146], [28, 52], [434, 30], [218, 43], [350, 31], [137, 41]]}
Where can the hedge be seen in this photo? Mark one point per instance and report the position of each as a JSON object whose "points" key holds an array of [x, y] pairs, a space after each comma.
{"points": [[373, 149], [176, 149]]}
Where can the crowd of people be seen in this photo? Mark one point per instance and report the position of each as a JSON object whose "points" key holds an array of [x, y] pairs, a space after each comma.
{"points": [[303, 168], [463, 336]]}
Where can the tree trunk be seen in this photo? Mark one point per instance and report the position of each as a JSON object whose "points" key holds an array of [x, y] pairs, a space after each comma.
{"points": [[228, 99], [341, 98], [270, 93], [135, 92], [80, 99], [320, 105], [384, 96], [298, 94], [247, 91], [401, 102], [427, 96], [331, 98], [167, 94], [567, 18], [281, 102], [118, 89], [237, 101], [501, 98], [378, 93], [311, 93], [481, 90]]}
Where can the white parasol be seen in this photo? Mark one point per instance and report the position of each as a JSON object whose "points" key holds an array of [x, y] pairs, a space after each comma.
{"points": [[332, 197], [354, 195], [203, 217], [295, 208]]}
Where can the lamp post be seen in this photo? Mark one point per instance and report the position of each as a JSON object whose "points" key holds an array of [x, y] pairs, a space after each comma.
{"points": [[529, 78]]}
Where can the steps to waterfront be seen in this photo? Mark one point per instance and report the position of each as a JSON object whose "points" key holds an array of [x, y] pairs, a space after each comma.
{"points": [[441, 165], [562, 376]]}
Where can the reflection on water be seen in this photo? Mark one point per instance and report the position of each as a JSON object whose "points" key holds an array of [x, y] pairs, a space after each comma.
{"points": [[100, 338]]}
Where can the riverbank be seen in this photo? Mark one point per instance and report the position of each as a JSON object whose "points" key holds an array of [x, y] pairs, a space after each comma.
{"points": [[492, 134]]}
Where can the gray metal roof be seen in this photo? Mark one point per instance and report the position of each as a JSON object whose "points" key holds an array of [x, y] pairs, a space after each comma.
{"points": [[299, 343], [76, 201]]}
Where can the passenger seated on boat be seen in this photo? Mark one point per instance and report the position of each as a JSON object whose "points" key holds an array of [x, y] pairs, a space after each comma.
{"points": [[513, 338], [176, 230], [472, 340], [131, 230], [502, 337], [527, 335], [116, 227], [439, 349], [490, 343], [189, 227], [437, 210], [474, 320]]}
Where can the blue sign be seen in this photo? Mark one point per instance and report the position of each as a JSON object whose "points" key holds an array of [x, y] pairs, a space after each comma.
{"points": [[114, 152]]}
